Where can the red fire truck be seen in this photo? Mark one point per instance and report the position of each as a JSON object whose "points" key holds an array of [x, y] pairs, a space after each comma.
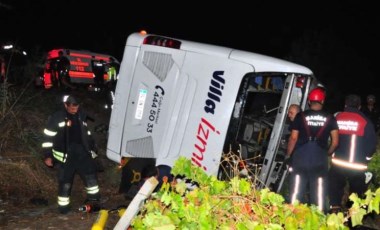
{"points": [[81, 71]]}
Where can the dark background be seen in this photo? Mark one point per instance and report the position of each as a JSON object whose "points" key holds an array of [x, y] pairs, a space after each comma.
{"points": [[337, 40]]}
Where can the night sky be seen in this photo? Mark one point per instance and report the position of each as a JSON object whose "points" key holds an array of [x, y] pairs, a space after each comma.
{"points": [[348, 32]]}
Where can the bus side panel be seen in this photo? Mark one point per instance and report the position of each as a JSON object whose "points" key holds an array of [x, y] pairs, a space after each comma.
{"points": [[200, 129]]}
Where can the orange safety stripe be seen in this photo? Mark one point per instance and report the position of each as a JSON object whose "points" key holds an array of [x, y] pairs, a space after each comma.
{"points": [[80, 55], [79, 63], [102, 57], [81, 74], [85, 74], [73, 54]]}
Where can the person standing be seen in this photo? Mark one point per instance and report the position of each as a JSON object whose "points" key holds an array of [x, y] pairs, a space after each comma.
{"points": [[112, 71], [62, 64], [371, 111], [357, 144], [98, 68], [53, 69], [293, 111], [69, 144], [309, 148]]}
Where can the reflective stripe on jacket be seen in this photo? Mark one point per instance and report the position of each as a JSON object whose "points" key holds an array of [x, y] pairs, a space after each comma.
{"points": [[55, 137]]}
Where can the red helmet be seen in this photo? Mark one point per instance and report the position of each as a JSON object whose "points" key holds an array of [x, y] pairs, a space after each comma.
{"points": [[317, 94]]}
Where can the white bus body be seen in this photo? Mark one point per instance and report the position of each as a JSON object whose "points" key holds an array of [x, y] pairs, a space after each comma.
{"points": [[181, 98]]}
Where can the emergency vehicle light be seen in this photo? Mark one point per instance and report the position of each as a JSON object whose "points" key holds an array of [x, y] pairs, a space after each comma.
{"points": [[161, 41], [300, 82], [53, 53]]}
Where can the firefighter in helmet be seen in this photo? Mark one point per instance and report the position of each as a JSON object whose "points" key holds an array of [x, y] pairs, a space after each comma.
{"points": [[68, 142], [309, 148], [357, 144]]}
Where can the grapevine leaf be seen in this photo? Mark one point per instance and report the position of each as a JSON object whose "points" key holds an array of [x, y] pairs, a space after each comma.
{"points": [[377, 193], [275, 199], [244, 187], [235, 184], [264, 194], [374, 205], [217, 187], [166, 198], [241, 226], [165, 227], [357, 216], [369, 196], [181, 187], [291, 223], [357, 202], [272, 226]]}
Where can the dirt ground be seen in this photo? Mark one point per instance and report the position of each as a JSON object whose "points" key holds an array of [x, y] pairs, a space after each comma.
{"points": [[28, 215], [28, 189]]}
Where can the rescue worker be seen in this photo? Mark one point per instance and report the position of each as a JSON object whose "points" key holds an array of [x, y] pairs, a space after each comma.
{"points": [[53, 69], [371, 111], [309, 148], [112, 71], [69, 143], [99, 69], [357, 144], [63, 66]]}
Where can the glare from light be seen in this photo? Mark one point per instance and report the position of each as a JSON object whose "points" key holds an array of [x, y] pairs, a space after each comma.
{"points": [[8, 47]]}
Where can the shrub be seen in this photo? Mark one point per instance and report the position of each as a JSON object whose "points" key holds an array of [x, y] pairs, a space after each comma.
{"points": [[236, 204]]}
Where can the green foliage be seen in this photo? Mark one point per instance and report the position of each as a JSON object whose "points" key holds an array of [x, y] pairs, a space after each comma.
{"points": [[235, 204], [374, 167], [361, 207]]}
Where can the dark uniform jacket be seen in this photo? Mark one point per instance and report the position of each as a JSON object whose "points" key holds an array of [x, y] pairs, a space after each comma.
{"points": [[357, 140], [314, 129], [373, 115], [57, 137]]}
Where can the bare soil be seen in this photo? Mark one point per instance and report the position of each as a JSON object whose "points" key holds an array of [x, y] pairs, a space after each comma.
{"points": [[28, 189]]}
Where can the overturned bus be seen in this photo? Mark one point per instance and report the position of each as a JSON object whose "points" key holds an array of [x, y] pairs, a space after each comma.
{"points": [[181, 98]]}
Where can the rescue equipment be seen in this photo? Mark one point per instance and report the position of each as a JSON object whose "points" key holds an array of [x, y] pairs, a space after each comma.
{"points": [[101, 220]]}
